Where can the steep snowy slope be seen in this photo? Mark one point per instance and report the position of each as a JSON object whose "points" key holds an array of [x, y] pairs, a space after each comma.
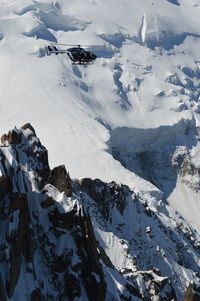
{"points": [[64, 240], [132, 116]]}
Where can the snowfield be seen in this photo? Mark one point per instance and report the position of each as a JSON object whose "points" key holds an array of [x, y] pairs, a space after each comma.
{"points": [[133, 115]]}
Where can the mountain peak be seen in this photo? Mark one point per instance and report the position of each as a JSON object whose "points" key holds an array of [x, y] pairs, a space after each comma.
{"points": [[84, 239]]}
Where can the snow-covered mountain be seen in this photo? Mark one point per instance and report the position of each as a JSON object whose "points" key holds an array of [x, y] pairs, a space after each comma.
{"points": [[85, 239], [131, 117]]}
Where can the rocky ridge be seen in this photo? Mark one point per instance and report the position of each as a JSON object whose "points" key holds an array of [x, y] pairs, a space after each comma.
{"points": [[64, 239]]}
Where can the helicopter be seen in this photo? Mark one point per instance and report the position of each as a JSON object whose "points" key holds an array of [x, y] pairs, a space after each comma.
{"points": [[76, 54]]}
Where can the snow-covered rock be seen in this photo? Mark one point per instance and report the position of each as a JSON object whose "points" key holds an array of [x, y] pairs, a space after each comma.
{"points": [[64, 239], [138, 102]]}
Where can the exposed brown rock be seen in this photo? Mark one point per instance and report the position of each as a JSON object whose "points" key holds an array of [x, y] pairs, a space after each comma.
{"points": [[3, 138], [29, 126], [13, 137], [60, 178]]}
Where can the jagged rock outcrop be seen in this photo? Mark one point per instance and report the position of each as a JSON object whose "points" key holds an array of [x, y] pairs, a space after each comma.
{"points": [[12, 137], [106, 195], [61, 180], [144, 245], [83, 239], [52, 246]]}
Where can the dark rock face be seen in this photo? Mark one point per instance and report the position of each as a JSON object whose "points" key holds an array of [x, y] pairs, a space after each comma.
{"points": [[12, 138], [61, 180], [96, 290], [62, 220], [106, 195], [29, 126], [14, 205], [79, 274], [2, 186], [52, 238], [160, 287], [36, 225], [2, 290]]}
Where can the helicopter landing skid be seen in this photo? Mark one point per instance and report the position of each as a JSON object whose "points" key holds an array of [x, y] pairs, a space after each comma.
{"points": [[82, 63]]}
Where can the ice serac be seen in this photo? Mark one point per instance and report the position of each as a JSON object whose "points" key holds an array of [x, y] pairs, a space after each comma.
{"points": [[64, 239]]}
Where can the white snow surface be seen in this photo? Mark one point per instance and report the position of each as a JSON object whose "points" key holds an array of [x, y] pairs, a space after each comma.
{"points": [[142, 92]]}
